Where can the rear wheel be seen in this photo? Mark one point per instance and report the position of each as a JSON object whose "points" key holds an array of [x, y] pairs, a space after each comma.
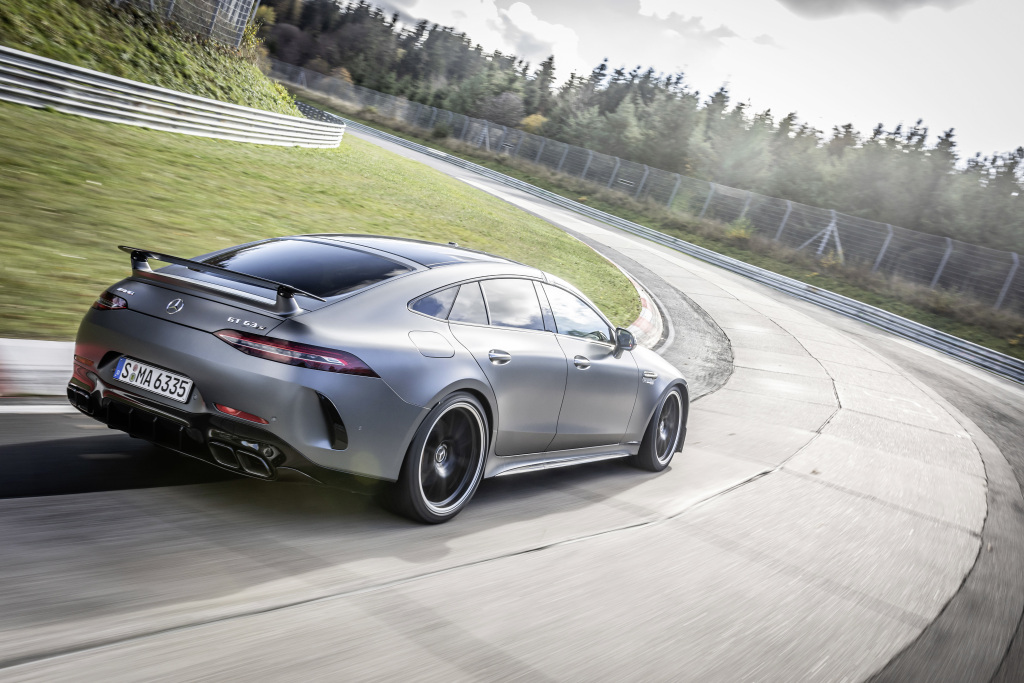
{"points": [[445, 461], [664, 434]]}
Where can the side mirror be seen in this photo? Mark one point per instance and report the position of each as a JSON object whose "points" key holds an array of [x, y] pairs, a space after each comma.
{"points": [[624, 340]]}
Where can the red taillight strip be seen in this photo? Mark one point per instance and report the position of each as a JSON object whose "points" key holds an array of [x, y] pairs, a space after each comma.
{"points": [[235, 412], [293, 353]]}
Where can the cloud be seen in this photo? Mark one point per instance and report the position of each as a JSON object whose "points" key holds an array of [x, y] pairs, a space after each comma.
{"points": [[822, 9], [765, 39], [513, 30], [533, 38]]}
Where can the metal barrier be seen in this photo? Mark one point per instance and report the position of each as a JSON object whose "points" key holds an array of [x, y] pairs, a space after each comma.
{"points": [[988, 275], [969, 352], [45, 83]]}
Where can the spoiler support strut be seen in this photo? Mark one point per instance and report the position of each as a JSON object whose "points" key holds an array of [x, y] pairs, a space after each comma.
{"points": [[284, 304]]}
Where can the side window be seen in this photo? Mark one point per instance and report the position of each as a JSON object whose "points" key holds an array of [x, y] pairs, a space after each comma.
{"points": [[469, 306], [513, 303], [575, 318], [436, 305]]}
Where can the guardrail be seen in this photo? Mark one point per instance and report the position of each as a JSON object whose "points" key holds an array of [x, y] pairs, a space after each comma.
{"points": [[969, 352], [45, 83]]}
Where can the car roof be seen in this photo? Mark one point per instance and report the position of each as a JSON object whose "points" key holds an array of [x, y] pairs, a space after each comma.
{"points": [[429, 254]]}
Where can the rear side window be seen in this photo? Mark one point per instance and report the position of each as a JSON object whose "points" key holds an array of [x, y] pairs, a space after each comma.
{"points": [[321, 269], [438, 304], [513, 303], [469, 306], [575, 318]]}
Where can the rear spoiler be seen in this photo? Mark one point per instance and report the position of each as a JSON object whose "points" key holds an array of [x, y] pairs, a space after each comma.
{"points": [[285, 303]]}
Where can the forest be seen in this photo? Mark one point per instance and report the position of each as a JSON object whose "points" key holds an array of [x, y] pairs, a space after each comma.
{"points": [[889, 174]]}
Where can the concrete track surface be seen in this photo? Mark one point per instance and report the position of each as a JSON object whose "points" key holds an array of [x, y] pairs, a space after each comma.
{"points": [[843, 509]]}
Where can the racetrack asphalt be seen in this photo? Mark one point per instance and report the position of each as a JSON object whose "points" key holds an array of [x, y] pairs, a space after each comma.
{"points": [[832, 504]]}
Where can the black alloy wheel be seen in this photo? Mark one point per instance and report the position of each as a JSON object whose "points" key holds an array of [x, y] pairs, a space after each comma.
{"points": [[444, 464], [664, 435]]}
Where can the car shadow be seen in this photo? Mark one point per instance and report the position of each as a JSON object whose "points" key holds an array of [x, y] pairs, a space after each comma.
{"points": [[197, 534]]}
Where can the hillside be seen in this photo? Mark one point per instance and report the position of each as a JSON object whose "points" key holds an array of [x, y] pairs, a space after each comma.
{"points": [[128, 43]]}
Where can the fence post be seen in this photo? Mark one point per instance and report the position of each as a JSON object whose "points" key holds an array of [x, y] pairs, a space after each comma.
{"points": [[465, 127], [942, 263], [213, 20], [711, 193], [672, 197], [504, 136], [433, 117], [615, 171], [647, 172], [519, 143], [561, 161], [881, 252], [827, 233], [587, 165], [540, 150], [170, 10], [789, 209], [1009, 280], [746, 204]]}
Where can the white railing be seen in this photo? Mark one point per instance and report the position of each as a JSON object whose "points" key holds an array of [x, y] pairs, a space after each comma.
{"points": [[45, 83]]}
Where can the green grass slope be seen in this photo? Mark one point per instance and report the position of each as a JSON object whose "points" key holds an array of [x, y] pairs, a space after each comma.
{"points": [[72, 189], [128, 43]]}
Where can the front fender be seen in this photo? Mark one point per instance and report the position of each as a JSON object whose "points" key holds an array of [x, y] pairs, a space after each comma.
{"points": [[652, 391]]}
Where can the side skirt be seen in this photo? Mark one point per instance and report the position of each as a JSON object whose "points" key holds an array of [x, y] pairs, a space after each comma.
{"points": [[557, 461]]}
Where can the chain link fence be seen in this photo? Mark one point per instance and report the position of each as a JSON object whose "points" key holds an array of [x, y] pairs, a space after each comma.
{"points": [[221, 20], [986, 275]]}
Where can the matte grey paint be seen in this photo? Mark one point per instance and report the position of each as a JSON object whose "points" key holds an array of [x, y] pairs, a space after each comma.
{"points": [[523, 397]]}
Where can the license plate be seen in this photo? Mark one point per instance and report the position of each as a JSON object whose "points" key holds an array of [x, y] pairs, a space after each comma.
{"points": [[157, 380]]}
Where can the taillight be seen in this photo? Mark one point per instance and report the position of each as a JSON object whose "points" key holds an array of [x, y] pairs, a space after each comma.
{"points": [[292, 353], [109, 302], [235, 412]]}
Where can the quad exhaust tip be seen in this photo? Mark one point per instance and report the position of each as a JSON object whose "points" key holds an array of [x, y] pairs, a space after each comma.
{"points": [[238, 459]]}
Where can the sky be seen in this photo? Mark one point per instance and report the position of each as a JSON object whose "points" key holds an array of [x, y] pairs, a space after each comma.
{"points": [[865, 62]]}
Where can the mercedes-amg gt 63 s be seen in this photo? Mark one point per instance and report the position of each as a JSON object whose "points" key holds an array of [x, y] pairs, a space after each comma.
{"points": [[318, 357]]}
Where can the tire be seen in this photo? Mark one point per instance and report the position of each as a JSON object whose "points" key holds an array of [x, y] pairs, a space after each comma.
{"points": [[445, 461], [665, 434]]}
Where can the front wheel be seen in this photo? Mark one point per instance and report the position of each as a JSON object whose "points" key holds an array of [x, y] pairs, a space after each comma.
{"points": [[664, 435], [445, 461]]}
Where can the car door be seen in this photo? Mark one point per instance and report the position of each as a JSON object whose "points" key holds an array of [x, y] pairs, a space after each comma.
{"points": [[523, 362], [601, 385]]}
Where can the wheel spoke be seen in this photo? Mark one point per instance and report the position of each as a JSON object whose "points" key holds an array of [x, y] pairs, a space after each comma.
{"points": [[449, 458]]}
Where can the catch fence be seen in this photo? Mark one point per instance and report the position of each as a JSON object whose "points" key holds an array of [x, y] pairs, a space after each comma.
{"points": [[989, 276], [221, 20]]}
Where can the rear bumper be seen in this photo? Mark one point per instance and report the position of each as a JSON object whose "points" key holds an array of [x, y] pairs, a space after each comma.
{"points": [[300, 441], [217, 441]]}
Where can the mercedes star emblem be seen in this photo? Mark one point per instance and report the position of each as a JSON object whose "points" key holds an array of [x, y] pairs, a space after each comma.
{"points": [[175, 306]]}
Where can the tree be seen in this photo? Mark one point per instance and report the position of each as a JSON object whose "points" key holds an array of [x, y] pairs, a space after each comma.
{"points": [[505, 109]]}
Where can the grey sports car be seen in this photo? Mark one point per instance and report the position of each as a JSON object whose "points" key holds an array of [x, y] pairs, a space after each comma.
{"points": [[318, 357]]}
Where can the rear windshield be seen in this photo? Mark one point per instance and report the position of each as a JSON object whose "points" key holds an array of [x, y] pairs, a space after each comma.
{"points": [[321, 269]]}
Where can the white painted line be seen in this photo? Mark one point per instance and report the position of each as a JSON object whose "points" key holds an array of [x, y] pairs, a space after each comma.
{"points": [[37, 409]]}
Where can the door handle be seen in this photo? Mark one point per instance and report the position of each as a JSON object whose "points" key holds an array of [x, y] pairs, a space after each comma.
{"points": [[582, 362], [499, 357]]}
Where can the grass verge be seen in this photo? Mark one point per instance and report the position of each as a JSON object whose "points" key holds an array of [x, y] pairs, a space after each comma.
{"points": [[945, 311], [72, 189]]}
